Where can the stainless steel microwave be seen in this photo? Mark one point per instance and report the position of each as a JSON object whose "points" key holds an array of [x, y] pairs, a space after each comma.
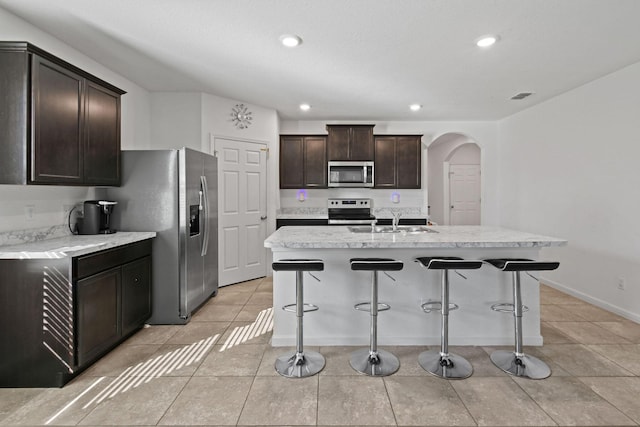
{"points": [[350, 174]]}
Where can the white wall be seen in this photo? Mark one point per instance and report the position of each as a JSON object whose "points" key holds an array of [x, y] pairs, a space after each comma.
{"points": [[485, 134], [570, 169], [176, 120], [195, 119], [467, 154], [49, 202], [264, 128]]}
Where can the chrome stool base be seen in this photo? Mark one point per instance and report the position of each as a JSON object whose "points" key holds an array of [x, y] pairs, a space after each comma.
{"points": [[379, 364], [454, 368], [525, 366], [299, 365]]}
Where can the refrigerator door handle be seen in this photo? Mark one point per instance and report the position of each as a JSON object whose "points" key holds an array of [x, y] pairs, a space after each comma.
{"points": [[205, 237]]}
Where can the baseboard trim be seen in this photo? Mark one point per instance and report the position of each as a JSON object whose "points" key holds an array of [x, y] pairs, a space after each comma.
{"points": [[591, 300], [289, 341]]}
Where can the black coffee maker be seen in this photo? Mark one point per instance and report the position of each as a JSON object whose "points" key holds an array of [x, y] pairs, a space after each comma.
{"points": [[97, 215]]}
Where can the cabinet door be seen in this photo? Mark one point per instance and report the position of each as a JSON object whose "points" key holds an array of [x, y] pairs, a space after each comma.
{"points": [[102, 148], [408, 161], [338, 142], [291, 162], [315, 162], [56, 149], [97, 311], [136, 294], [385, 163], [361, 144]]}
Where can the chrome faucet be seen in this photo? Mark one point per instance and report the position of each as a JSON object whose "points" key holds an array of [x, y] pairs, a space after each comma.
{"points": [[395, 220]]}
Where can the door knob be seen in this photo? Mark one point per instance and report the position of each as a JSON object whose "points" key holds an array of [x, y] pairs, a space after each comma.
{"points": [[451, 206], [262, 218]]}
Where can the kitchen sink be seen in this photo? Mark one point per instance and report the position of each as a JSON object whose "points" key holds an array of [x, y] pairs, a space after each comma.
{"points": [[407, 229]]}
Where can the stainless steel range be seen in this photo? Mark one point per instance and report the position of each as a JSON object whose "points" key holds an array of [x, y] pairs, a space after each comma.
{"points": [[350, 211]]}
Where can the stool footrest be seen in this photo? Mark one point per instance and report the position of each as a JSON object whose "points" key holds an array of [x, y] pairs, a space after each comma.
{"points": [[430, 306], [507, 307], [292, 308], [366, 306]]}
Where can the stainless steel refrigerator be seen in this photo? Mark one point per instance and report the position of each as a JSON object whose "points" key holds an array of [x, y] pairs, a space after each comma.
{"points": [[174, 193]]}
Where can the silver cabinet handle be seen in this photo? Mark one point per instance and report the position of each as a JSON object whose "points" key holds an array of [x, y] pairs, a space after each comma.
{"points": [[262, 218]]}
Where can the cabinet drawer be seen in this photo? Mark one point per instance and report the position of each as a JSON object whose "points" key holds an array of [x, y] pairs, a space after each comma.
{"points": [[87, 265]]}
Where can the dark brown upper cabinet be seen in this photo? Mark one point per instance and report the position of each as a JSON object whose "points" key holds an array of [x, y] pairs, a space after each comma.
{"points": [[350, 142], [61, 125], [398, 160], [303, 161]]}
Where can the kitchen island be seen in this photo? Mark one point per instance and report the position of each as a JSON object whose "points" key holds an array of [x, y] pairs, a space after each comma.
{"points": [[337, 323]]}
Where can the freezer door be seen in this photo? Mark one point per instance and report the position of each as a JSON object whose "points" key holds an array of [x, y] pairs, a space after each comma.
{"points": [[192, 212], [210, 262]]}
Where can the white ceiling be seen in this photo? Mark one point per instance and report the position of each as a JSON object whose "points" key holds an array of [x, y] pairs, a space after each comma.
{"points": [[360, 59]]}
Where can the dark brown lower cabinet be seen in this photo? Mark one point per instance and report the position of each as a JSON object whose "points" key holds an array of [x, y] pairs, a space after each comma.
{"points": [[136, 294], [97, 317], [58, 316]]}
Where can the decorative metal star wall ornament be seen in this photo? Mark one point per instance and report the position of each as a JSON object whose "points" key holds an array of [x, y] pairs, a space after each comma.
{"points": [[241, 116]]}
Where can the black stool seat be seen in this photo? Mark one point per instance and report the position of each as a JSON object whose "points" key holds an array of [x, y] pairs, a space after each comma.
{"points": [[449, 263], [298, 265], [372, 264], [522, 264]]}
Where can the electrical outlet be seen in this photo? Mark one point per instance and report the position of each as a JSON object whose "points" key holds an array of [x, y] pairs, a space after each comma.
{"points": [[622, 284], [66, 209], [29, 211]]}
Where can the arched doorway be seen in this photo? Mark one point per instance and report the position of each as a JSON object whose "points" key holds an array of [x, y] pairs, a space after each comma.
{"points": [[453, 182]]}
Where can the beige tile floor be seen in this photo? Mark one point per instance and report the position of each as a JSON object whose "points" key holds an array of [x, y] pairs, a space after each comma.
{"points": [[191, 375]]}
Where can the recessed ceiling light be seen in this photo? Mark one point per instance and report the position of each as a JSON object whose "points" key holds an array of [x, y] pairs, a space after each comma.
{"points": [[521, 95], [305, 107], [415, 107], [486, 41], [290, 40]]}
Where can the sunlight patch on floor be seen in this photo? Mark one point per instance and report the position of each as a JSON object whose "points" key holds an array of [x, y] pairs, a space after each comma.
{"points": [[240, 334]]}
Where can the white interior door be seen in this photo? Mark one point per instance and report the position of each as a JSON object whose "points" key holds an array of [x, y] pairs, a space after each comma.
{"points": [[464, 194], [242, 175]]}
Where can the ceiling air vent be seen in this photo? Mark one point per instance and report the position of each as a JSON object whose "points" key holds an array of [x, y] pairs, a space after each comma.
{"points": [[521, 95]]}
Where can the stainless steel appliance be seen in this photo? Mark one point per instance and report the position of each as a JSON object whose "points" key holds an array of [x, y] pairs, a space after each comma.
{"points": [[174, 193], [350, 211], [96, 217], [350, 174]]}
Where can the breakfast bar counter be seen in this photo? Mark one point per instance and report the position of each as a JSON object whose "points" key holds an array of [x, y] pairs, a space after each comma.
{"points": [[339, 289]]}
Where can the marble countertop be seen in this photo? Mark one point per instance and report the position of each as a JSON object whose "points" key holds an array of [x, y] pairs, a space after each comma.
{"points": [[321, 213], [71, 246], [326, 237]]}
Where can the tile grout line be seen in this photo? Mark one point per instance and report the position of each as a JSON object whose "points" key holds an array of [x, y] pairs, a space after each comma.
{"points": [[533, 400], [462, 401], [386, 390]]}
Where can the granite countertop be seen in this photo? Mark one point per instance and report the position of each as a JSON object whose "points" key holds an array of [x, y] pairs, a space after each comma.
{"points": [[326, 237], [71, 246]]}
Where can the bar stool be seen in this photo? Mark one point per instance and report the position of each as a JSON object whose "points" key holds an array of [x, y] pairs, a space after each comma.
{"points": [[516, 362], [442, 363], [299, 364], [373, 361]]}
